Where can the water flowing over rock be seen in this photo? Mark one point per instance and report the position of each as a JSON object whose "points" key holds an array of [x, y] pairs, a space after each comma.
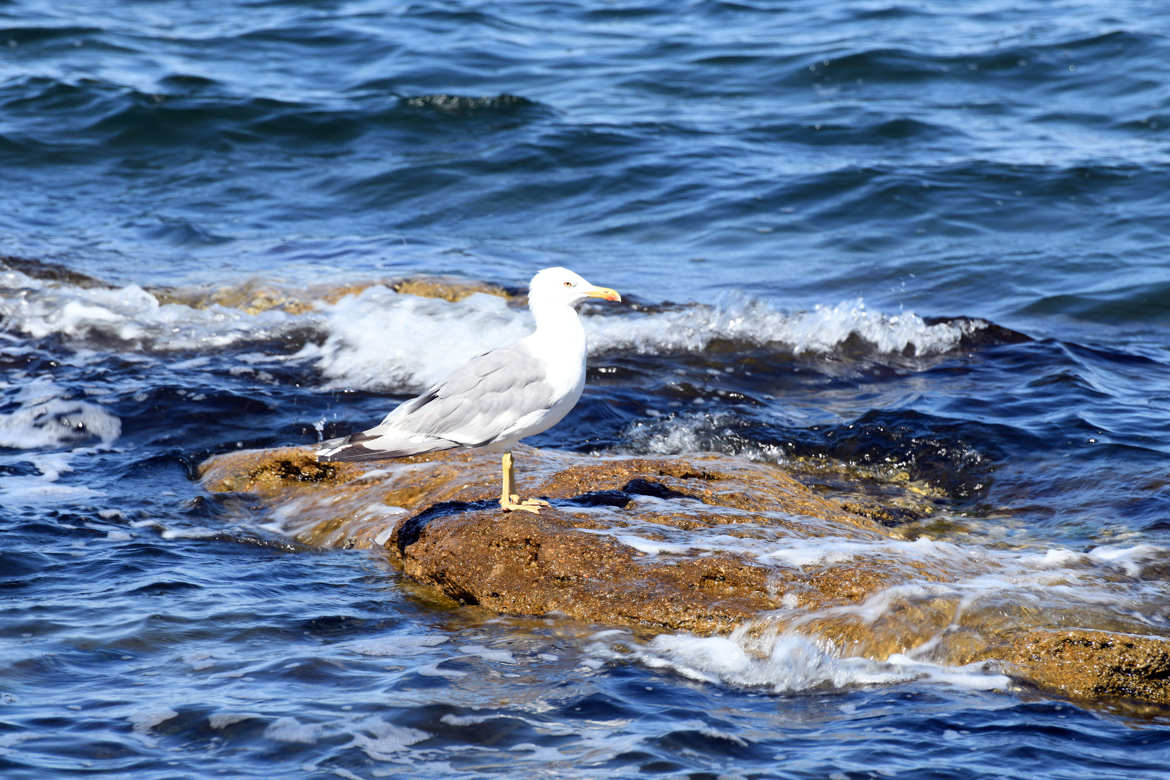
{"points": [[713, 544]]}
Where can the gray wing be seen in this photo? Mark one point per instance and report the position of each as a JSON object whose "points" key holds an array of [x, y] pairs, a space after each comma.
{"points": [[480, 403]]}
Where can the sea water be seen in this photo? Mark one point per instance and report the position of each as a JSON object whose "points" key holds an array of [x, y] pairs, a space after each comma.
{"points": [[925, 242]]}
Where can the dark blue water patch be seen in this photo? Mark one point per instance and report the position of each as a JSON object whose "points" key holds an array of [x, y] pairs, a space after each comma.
{"points": [[710, 742], [19, 36], [595, 706], [196, 112], [976, 193], [1126, 304], [18, 469], [954, 456], [488, 728], [587, 169], [879, 132], [49, 119], [332, 627], [309, 39]]}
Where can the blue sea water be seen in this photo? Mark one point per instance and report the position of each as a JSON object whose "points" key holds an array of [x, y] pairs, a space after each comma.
{"points": [[929, 239]]}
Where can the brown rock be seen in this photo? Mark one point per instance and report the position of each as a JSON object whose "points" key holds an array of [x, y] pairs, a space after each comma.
{"points": [[255, 296], [1086, 664], [450, 289], [692, 543]]}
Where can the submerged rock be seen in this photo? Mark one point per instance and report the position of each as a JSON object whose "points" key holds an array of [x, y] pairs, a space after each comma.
{"points": [[707, 544], [50, 272], [256, 296]]}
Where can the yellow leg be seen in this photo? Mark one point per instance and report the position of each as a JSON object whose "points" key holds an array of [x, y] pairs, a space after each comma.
{"points": [[509, 499]]}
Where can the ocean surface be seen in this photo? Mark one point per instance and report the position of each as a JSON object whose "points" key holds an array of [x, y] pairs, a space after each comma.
{"points": [[923, 240]]}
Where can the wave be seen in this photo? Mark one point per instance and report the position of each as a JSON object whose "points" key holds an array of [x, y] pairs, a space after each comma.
{"points": [[367, 336], [128, 318], [789, 663], [380, 340], [743, 320], [183, 109]]}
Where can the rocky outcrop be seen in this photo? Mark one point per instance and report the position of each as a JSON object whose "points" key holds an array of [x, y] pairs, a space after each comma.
{"points": [[705, 544], [1094, 664], [256, 296]]}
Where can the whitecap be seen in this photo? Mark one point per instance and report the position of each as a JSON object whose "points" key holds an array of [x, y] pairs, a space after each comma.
{"points": [[744, 319], [289, 729], [46, 417], [144, 720]]}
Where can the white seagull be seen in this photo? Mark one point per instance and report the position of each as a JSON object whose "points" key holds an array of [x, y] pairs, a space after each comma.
{"points": [[498, 398]]}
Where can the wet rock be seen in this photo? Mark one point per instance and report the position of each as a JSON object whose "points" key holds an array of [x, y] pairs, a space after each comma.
{"points": [[451, 289], [1094, 664], [705, 544], [50, 272], [256, 296]]}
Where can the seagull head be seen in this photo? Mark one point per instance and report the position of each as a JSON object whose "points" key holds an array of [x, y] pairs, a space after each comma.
{"points": [[560, 286]]}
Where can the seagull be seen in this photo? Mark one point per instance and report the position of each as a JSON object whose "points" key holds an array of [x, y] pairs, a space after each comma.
{"points": [[498, 398]]}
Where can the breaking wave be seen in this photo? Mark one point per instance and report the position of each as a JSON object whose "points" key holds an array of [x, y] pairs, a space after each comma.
{"points": [[370, 337]]}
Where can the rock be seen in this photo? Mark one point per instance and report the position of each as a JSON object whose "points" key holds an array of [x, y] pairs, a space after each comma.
{"points": [[51, 272], [1086, 664], [255, 296], [705, 544], [451, 289]]}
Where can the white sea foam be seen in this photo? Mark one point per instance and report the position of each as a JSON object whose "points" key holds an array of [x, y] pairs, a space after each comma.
{"points": [[197, 532], [30, 491], [381, 339], [490, 654], [289, 729], [451, 719], [695, 432], [756, 538], [395, 646], [221, 720], [145, 720], [383, 741], [1132, 560], [789, 662], [129, 315], [45, 417], [740, 318]]}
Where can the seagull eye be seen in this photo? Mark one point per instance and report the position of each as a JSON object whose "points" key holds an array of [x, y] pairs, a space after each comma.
{"points": [[568, 284]]}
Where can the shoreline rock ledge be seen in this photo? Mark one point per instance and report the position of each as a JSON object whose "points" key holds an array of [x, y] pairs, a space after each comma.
{"points": [[708, 544]]}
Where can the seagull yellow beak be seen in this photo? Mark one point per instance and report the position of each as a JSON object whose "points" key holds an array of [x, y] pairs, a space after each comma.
{"points": [[604, 293]]}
